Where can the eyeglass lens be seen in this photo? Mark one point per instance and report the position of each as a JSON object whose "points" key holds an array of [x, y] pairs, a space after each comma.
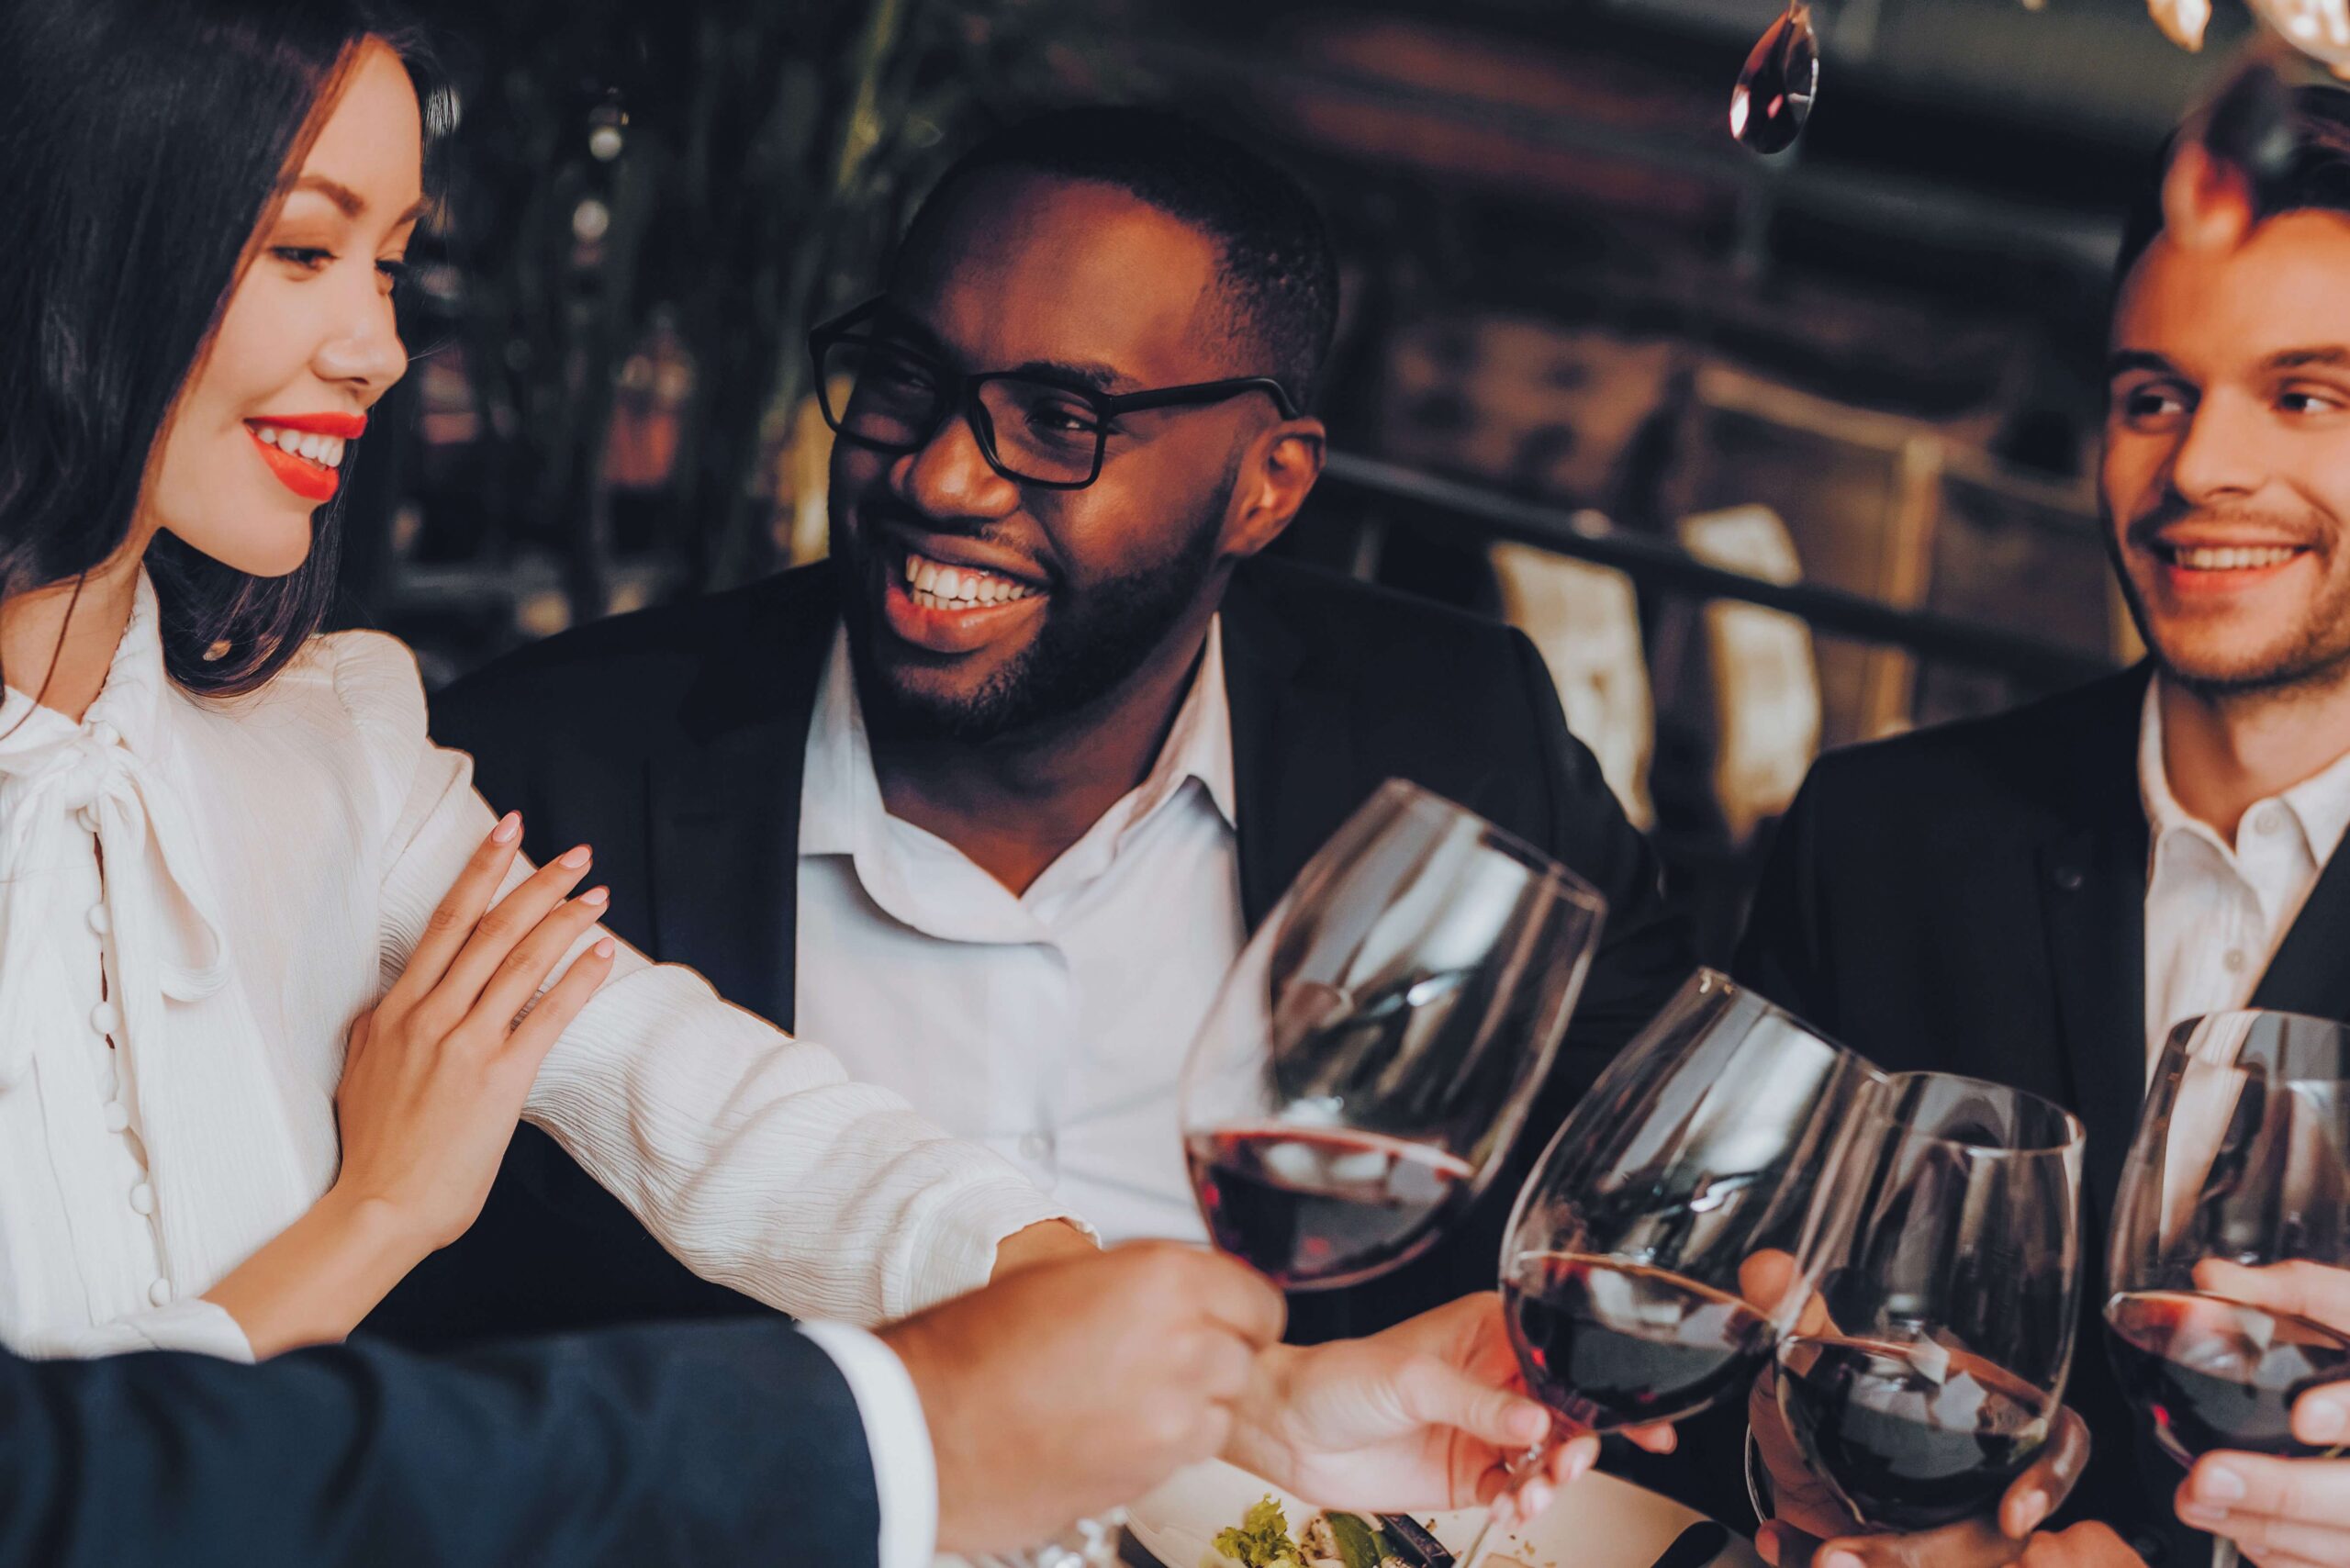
{"points": [[895, 398]]}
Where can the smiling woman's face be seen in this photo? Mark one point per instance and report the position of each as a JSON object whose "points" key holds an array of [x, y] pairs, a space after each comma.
{"points": [[308, 342]]}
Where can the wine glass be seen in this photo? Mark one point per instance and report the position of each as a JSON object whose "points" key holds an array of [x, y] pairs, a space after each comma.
{"points": [[1375, 1049], [1933, 1370], [2237, 1167], [1673, 1229]]}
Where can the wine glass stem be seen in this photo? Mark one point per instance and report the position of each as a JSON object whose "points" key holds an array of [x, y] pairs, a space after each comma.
{"points": [[1529, 1463], [2223, 1552]]}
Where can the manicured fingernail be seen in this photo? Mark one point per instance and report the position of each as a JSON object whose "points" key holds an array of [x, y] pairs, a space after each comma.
{"points": [[2030, 1511], [575, 858], [1532, 1501], [606, 949], [2218, 1483], [1840, 1559], [1529, 1424], [596, 896], [2318, 1420], [507, 826], [2201, 1518], [1766, 1544]]}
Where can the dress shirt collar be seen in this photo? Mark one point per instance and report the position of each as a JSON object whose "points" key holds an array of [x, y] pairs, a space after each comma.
{"points": [[124, 708], [842, 813], [2319, 805]]}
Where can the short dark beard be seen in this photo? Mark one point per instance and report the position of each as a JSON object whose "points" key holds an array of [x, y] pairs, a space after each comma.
{"points": [[1092, 642], [2316, 660]]}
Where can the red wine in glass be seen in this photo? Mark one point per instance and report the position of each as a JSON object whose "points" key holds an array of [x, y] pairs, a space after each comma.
{"points": [[1910, 1435], [2211, 1373], [1608, 1344], [1313, 1209]]}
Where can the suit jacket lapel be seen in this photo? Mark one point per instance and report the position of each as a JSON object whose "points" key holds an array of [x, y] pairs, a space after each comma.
{"points": [[2310, 972], [725, 804], [1293, 752], [2092, 876]]}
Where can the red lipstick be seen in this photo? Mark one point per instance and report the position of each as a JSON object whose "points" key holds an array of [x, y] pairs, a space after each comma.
{"points": [[314, 482]]}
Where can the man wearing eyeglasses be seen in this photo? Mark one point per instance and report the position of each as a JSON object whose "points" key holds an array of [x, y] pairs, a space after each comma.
{"points": [[989, 802]]}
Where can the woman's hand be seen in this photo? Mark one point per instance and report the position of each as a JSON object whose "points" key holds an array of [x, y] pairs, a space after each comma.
{"points": [[434, 1083], [436, 1075], [1429, 1414]]}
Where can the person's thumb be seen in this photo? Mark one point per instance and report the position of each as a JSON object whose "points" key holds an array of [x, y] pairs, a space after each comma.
{"points": [[1435, 1393]]}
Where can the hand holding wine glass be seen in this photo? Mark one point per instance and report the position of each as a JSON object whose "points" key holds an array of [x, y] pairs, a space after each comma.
{"points": [[1915, 1391], [1631, 1269], [1806, 1523], [1363, 1070], [2225, 1319], [1935, 1373]]}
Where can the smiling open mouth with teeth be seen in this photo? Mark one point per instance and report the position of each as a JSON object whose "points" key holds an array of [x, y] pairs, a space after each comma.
{"points": [[326, 450], [935, 584], [2227, 558]]}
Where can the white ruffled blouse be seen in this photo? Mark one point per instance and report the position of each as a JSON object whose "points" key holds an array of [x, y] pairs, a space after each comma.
{"points": [[198, 897]]}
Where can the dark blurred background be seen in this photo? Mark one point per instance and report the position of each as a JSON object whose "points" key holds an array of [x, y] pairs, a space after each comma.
{"points": [[1767, 454]]}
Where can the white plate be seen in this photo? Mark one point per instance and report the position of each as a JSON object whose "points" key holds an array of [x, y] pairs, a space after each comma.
{"points": [[1598, 1522]]}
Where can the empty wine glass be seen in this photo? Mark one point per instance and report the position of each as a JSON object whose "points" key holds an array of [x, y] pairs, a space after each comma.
{"points": [[2237, 1168], [1673, 1229], [1932, 1369], [1375, 1049]]}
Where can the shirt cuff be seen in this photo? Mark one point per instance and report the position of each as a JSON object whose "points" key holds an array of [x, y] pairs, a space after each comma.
{"points": [[197, 1326], [897, 1439]]}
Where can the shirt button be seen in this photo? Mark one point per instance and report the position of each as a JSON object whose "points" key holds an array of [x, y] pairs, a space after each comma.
{"points": [[159, 1292], [105, 1019], [117, 1116], [100, 921], [2268, 819], [1035, 1146], [142, 1199], [2233, 959]]}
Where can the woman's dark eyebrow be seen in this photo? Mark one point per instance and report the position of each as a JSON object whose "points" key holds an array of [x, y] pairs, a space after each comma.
{"points": [[350, 203]]}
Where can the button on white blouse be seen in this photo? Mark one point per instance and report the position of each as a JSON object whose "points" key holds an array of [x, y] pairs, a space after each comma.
{"points": [[198, 897]]}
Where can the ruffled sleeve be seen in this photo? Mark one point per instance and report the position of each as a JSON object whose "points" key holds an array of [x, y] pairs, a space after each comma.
{"points": [[749, 1154]]}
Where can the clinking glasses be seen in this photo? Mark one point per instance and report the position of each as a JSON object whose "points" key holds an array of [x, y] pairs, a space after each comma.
{"points": [[1033, 428]]}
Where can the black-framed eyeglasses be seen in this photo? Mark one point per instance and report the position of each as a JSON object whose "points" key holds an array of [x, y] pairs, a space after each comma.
{"points": [[1032, 428]]}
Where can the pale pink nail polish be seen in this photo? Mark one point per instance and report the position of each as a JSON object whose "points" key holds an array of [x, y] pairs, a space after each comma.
{"points": [[507, 826], [596, 896], [606, 949], [575, 858]]}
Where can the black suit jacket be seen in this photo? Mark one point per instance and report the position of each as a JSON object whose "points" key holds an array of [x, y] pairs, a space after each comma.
{"points": [[1972, 899], [693, 1445], [673, 741]]}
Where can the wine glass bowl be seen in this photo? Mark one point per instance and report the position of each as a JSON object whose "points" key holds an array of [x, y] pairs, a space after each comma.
{"points": [[1667, 1239], [2237, 1169], [1929, 1373], [1376, 1045], [2229, 1265]]}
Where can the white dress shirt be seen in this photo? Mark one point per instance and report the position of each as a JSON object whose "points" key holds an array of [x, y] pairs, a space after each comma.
{"points": [[2217, 912], [1050, 1026], [197, 897]]}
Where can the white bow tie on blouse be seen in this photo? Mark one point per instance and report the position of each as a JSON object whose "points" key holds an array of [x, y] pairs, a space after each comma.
{"points": [[70, 793]]}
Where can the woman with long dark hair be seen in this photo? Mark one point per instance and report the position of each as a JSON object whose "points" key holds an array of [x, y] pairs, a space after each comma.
{"points": [[227, 850]]}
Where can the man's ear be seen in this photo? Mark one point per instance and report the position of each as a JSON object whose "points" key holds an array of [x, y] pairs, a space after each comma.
{"points": [[1276, 476]]}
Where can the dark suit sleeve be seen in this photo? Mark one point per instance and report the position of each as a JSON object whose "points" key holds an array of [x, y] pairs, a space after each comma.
{"points": [[1784, 952], [1644, 951], [706, 1445]]}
